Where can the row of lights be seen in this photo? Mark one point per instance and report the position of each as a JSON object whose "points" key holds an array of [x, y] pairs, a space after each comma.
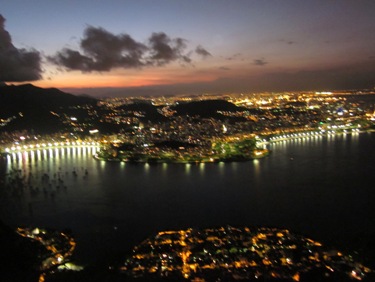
{"points": [[308, 134], [48, 145], [296, 135]]}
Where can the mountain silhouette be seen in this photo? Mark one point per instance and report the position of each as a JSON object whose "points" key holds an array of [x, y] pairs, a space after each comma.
{"points": [[27, 107]]}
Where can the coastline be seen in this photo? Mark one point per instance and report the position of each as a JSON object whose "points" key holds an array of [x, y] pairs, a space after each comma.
{"points": [[256, 154]]}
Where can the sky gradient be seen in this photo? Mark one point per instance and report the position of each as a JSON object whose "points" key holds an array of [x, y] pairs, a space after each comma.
{"points": [[105, 48]]}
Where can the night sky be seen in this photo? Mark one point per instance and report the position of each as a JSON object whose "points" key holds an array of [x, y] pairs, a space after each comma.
{"points": [[188, 47]]}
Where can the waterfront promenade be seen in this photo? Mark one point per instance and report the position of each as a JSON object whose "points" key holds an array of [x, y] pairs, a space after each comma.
{"points": [[263, 139], [15, 148]]}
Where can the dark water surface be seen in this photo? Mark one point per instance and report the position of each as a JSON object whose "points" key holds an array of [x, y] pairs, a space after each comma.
{"points": [[321, 187]]}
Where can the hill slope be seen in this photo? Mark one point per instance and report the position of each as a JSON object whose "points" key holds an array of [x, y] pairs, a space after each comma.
{"points": [[27, 107]]}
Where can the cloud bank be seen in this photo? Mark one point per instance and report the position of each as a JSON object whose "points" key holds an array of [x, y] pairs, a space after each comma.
{"points": [[357, 76], [102, 51], [17, 65]]}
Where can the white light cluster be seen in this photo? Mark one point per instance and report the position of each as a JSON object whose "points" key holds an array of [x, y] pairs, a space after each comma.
{"points": [[50, 145]]}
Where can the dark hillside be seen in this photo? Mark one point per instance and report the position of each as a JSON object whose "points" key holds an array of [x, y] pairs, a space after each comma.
{"points": [[146, 111], [31, 108], [207, 108]]}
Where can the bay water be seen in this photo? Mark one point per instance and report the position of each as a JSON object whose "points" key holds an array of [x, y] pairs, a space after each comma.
{"points": [[320, 187]]}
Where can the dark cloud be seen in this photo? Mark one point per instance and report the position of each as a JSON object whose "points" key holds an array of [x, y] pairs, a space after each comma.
{"points": [[107, 50], [17, 65], [103, 51], [260, 62], [202, 51], [73, 60], [164, 49], [234, 57], [289, 42]]}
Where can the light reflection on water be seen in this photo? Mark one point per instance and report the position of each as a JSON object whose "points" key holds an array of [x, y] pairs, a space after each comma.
{"points": [[48, 159], [201, 168], [187, 168]]}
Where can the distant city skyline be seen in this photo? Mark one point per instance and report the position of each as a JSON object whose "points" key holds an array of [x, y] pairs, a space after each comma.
{"points": [[165, 47]]}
